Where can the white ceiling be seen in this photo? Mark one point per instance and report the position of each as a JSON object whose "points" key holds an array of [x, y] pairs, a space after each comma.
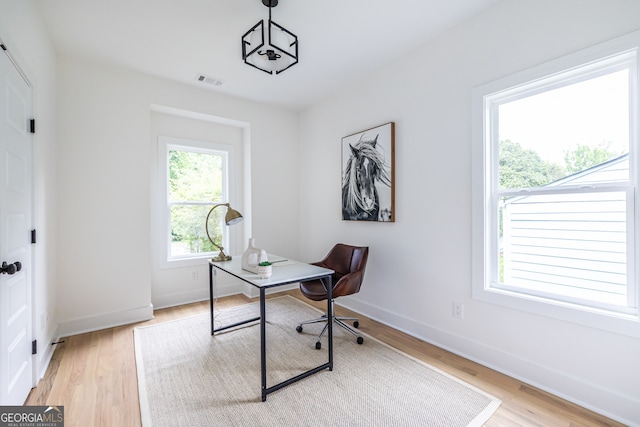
{"points": [[339, 40]]}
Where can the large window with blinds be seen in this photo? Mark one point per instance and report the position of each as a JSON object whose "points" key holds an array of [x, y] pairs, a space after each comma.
{"points": [[555, 179]]}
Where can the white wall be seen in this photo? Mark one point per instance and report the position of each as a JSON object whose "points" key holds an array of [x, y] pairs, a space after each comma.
{"points": [[106, 155], [21, 30], [421, 263]]}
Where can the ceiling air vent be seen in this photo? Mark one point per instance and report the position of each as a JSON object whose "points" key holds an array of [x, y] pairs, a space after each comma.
{"points": [[209, 80]]}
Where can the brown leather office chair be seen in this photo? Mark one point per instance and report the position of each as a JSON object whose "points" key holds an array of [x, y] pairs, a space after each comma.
{"points": [[349, 263]]}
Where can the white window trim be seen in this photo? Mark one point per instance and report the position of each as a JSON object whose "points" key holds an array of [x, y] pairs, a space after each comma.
{"points": [[481, 244], [165, 144]]}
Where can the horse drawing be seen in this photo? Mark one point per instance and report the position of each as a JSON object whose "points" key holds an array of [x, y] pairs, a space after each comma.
{"points": [[364, 168]]}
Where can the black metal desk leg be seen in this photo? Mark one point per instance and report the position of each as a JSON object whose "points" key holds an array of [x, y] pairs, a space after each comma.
{"points": [[211, 295], [330, 321], [263, 344]]}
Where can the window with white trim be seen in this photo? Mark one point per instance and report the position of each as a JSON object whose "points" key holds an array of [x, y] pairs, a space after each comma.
{"points": [[195, 177], [554, 192]]}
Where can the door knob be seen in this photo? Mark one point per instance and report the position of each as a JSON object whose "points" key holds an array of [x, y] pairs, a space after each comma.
{"points": [[10, 268]]}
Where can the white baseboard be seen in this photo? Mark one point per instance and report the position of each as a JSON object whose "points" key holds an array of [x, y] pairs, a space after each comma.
{"points": [[105, 320], [609, 403], [43, 357], [48, 349]]}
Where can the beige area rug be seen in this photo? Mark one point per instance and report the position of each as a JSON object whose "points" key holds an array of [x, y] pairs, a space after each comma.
{"points": [[186, 377]]}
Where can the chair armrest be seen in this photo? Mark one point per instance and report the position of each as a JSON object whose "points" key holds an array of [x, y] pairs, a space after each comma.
{"points": [[347, 284]]}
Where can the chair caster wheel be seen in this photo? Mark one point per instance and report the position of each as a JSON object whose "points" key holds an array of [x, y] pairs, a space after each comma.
{"points": [[318, 345], [356, 324], [360, 340], [299, 328]]}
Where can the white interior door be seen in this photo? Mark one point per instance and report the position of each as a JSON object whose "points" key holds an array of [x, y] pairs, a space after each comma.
{"points": [[15, 225]]}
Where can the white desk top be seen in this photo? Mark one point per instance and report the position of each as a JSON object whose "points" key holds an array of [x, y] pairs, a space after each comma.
{"points": [[284, 272]]}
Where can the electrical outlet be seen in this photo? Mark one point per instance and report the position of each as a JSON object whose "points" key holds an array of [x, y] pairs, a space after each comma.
{"points": [[458, 310], [194, 274]]}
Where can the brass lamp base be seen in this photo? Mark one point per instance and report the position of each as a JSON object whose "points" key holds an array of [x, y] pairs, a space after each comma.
{"points": [[221, 257]]}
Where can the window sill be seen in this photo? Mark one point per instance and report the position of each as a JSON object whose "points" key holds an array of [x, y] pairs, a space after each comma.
{"points": [[622, 324], [203, 259]]}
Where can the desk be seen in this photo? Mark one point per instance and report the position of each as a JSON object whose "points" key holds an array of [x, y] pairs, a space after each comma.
{"points": [[283, 273]]}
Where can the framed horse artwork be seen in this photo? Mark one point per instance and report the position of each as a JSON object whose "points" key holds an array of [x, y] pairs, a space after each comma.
{"points": [[368, 175]]}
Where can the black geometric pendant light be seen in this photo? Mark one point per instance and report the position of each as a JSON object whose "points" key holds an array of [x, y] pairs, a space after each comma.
{"points": [[271, 47]]}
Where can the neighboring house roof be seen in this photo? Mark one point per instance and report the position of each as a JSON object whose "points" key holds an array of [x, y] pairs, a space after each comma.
{"points": [[613, 170], [615, 165]]}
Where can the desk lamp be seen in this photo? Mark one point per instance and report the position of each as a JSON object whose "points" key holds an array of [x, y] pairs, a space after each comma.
{"points": [[232, 217]]}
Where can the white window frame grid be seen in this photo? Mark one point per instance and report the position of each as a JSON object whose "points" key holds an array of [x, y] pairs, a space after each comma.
{"points": [[165, 145], [621, 53]]}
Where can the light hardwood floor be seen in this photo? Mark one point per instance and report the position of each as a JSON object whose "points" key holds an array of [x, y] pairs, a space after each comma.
{"points": [[94, 376]]}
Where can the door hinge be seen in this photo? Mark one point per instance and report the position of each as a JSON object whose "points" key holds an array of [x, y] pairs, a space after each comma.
{"points": [[32, 125], [33, 236], [34, 347]]}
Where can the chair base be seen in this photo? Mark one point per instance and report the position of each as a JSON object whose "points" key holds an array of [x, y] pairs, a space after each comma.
{"points": [[340, 321]]}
